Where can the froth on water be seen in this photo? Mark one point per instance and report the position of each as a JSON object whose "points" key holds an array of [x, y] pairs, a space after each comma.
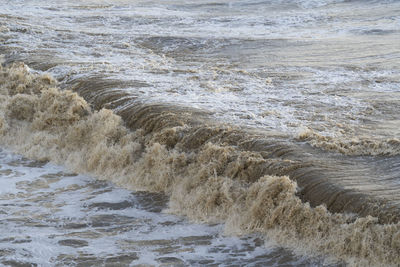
{"points": [[51, 217], [210, 172], [274, 118]]}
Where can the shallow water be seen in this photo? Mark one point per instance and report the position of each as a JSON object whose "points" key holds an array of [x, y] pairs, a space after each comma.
{"points": [[51, 217]]}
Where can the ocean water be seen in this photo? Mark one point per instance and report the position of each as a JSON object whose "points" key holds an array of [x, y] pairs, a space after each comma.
{"points": [[51, 217], [200, 132]]}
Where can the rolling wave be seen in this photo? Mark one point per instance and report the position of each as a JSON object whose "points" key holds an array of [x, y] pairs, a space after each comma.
{"points": [[251, 180]]}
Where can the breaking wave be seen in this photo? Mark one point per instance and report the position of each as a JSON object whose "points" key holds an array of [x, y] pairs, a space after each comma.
{"points": [[354, 146], [251, 181]]}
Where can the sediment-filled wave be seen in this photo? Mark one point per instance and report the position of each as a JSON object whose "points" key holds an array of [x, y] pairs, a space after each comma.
{"points": [[354, 146], [250, 180]]}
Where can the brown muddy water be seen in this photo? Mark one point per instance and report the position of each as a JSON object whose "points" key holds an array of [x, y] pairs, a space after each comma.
{"points": [[51, 217], [248, 133]]}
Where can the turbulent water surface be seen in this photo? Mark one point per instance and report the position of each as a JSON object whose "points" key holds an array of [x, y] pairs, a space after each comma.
{"points": [[57, 218], [276, 120]]}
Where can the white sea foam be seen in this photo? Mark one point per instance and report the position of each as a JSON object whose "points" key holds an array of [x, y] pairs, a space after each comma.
{"points": [[239, 59], [324, 71]]}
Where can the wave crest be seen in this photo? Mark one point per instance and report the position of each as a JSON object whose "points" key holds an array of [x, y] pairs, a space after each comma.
{"points": [[205, 169]]}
